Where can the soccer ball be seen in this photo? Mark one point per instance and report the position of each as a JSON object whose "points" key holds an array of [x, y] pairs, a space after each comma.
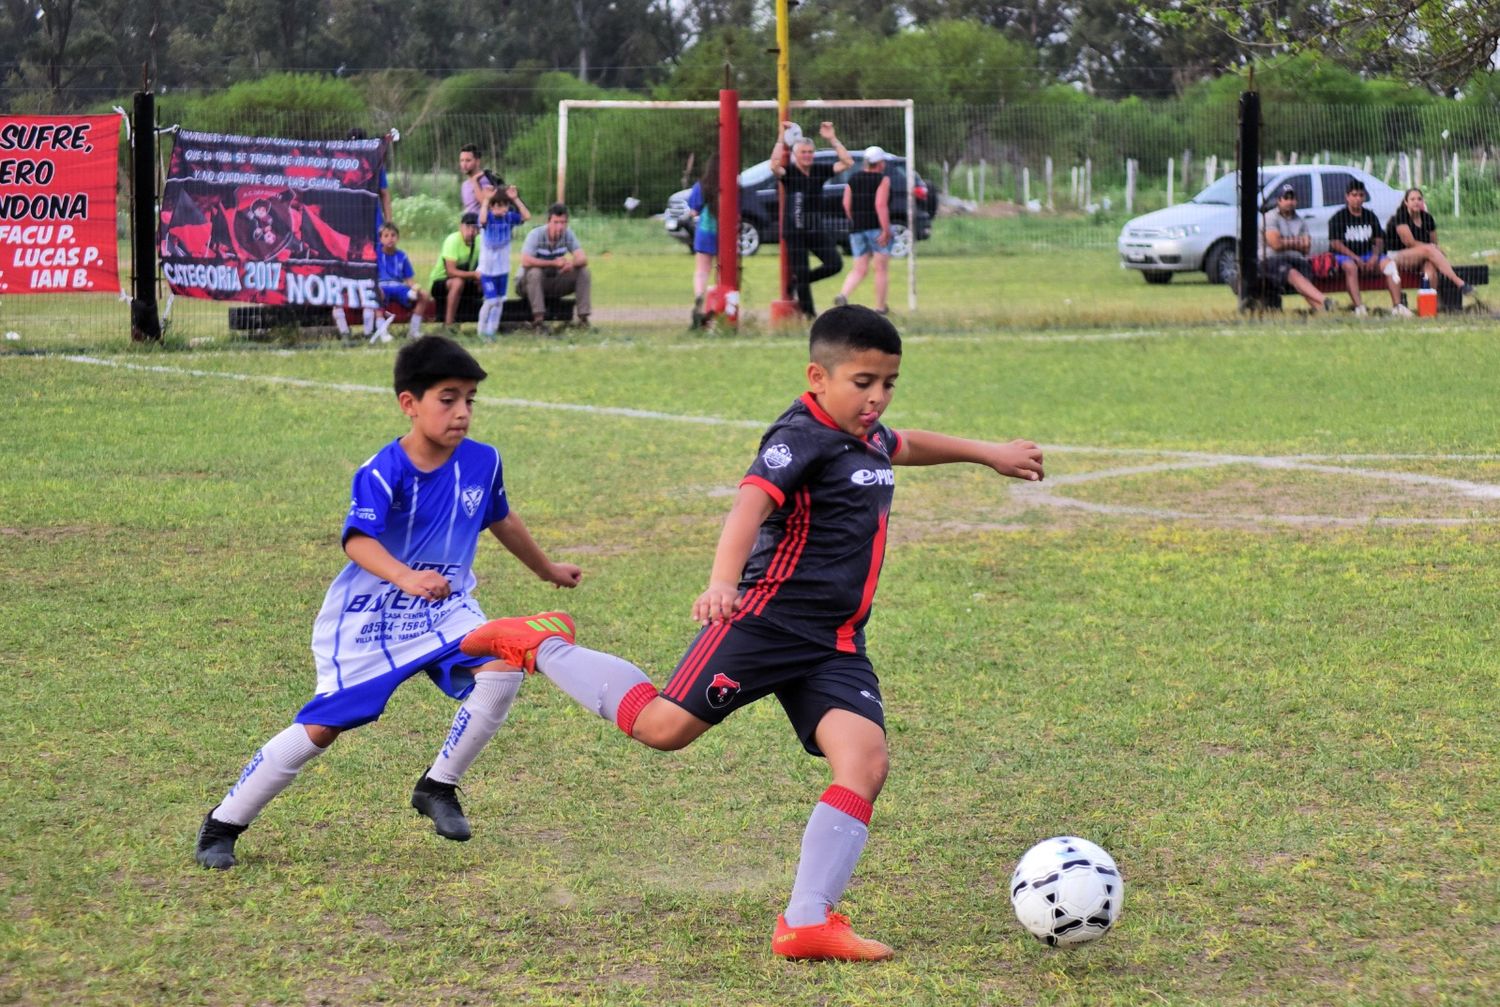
{"points": [[1067, 891]]}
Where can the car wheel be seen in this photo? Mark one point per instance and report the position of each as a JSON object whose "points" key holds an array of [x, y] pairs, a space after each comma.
{"points": [[1157, 276], [1219, 263], [900, 241], [749, 238]]}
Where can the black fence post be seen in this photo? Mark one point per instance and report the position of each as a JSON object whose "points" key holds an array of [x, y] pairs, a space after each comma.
{"points": [[1249, 244], [145, 323]]}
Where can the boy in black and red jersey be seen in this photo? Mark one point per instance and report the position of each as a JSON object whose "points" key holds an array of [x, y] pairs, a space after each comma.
{"points": [[785, 610]]}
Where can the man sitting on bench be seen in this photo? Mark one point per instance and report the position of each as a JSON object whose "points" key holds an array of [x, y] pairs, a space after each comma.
{"points": [[555, 267], [1284, 244], [1355, 238]]}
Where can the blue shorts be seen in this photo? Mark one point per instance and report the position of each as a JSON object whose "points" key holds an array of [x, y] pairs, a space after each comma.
{"points": [[493, 287], [398, 293], [867, 242], [706, 242], [1367, 257], [732, 664], [449, 668]]}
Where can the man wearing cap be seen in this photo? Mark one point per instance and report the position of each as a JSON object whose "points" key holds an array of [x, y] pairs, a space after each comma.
{"points": [[457, 267], [1284, 244], [867, 203]]}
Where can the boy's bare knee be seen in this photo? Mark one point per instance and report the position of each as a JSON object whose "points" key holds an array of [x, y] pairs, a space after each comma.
{"points": [[320, 735], [666, 727]]}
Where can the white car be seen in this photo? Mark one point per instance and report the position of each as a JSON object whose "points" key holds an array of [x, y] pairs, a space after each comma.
{"points": [[1199, 234]]}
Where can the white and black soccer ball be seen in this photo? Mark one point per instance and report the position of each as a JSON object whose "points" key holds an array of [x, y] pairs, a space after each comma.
{"points": [[1067, 891]]}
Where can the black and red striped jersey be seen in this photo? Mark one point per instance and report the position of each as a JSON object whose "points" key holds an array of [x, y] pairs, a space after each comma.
{"points": [[816, 561]]}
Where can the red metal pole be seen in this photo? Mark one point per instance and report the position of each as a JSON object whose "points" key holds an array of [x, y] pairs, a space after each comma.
{"points": [[729, 205]]}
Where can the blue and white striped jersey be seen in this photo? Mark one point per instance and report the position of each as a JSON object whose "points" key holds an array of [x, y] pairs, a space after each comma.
{"points": [[429, 521]]}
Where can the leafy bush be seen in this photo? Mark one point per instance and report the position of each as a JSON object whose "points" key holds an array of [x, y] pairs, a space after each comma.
{"points": [[423, 216]]}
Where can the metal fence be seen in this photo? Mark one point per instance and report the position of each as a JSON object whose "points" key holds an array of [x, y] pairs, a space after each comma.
{"points": [[1065, 176]]}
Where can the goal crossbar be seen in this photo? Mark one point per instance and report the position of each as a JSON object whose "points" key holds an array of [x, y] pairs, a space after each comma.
{"points": [[909, 120]]}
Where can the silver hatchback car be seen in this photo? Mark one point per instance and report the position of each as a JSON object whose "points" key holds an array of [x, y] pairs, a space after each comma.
{"points": [[1199, 234]]}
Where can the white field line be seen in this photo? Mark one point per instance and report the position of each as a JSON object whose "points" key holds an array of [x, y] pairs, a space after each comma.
{"points": [[1031, 493]]}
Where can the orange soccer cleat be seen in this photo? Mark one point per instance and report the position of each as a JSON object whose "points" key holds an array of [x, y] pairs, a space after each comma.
{"points": [[516, 639], [832, 940]]}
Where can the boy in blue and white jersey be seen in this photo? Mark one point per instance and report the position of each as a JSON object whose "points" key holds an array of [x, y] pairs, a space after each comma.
{"points": [[405, 600], [398, 281], [499, 216]]}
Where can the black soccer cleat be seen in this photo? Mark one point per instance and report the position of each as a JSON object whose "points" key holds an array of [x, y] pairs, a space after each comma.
{"points": [[215, 849], [439, 802]]}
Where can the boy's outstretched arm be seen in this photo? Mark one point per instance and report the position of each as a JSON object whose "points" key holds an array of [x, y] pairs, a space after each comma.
{"points": [[1019, 459], [370, 555], [752, 505], [514, 535]]}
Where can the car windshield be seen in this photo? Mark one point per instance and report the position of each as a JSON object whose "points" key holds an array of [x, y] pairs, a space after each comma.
{"points": [[1224, 192]]}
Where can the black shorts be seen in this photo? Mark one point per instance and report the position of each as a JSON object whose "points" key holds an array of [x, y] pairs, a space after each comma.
{"points": [[732, 664], [1275, 267]]}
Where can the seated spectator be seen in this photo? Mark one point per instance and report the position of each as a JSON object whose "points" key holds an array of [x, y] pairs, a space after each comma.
{"points": [[1284, 244], [555, 266], [1355, 238], [457, 267], [1411, 237], [398, 282]]}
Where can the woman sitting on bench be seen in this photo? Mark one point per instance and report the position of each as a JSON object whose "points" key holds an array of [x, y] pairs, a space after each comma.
{"points": [[1411, 242]]}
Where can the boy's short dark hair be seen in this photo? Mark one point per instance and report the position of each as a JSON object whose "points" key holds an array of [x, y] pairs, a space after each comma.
{"points": [[471, 148], [557, 210], [839, 332], [390, 225], [424, 362], [1355, 185]]}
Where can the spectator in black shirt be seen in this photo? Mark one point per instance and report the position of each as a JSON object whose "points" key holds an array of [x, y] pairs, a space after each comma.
{"points": [[802, 226], [1355, 239], [867, 202], [1411, 236]]}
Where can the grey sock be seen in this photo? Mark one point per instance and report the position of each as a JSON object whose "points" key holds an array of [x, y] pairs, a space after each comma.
{"points": [[596, 681], [831, 845]]}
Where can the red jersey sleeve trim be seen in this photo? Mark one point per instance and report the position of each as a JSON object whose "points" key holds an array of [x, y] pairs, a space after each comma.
{"points": [[771, 489], [818, 412]]}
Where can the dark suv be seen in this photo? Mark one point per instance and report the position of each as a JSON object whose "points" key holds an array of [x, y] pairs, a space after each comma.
{"points": [[758, 219]]}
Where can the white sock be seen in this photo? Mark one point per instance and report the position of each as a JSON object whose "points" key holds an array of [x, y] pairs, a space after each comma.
{"points": [[369, 320], [489, 317], [416, 326], [341, 321], [475, 724], [270, 771]]}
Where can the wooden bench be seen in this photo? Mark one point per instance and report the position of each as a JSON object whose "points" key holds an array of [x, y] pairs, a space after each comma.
{"points": [[1449, 297], [260, 320]]}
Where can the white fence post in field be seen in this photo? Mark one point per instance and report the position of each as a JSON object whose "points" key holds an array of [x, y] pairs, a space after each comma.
{"points": [[1025, 186], [1455, 185], [1073, 185], [1404, 175], [1047, 167], [1088, 180], [1293, 158], [1130, 185], [1390, 166], [1171, 167], [1416, 169], [984, 169], [970, 169], [1369, 165]]}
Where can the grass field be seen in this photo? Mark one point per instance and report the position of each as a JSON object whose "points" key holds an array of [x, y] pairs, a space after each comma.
{"points": [[1243, 637]]}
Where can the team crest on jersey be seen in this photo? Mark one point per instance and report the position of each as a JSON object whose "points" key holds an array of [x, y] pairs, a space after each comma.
{"points": [[721, 690], [472, 496], [777, 456]]}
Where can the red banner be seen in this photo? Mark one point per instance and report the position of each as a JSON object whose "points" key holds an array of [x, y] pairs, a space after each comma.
{"points": [[272, 219], [57, 203]]}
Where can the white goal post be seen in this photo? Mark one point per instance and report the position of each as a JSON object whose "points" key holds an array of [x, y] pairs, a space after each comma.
{"points": [[906, 104]]}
